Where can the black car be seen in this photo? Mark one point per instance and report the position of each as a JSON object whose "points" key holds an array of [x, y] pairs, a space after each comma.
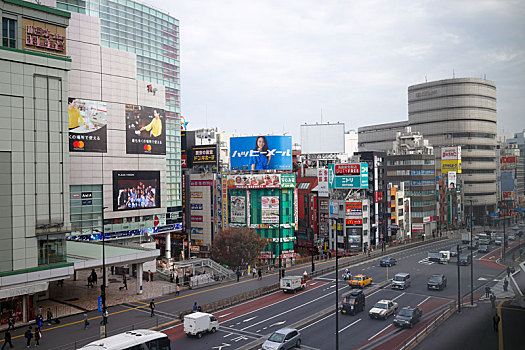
{"points": [[464, 259], [407, 317], [353, 303], [438, 281], [387, 262]]}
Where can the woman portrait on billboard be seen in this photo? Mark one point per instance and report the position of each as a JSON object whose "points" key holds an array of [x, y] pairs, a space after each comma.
{"points": [[261, 159]]}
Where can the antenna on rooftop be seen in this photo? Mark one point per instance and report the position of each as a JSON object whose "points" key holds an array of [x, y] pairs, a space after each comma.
{"points": [[453, 73]]}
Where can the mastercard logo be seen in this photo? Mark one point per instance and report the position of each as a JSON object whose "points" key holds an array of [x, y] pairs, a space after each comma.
{"points": [[78, 144], [147, 148]]}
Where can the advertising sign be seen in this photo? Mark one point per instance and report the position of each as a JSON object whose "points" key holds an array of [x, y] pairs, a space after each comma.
{"points": [[194, 206], [195, 194], [354, 221], [348, 181], [351, 169], [354, 208], [201, 182], [270, 209], [287, 180], [145, 130], [87, 125], [238, 209], [206, 154], [507, 162], [196, 218], [507, 195], [323, 138], [253, 181], [261, 153], [44, 37], [450, 165], [418, 227], [451, 153], [452, 180], [224, 202], [136, 190], [322, 182]]}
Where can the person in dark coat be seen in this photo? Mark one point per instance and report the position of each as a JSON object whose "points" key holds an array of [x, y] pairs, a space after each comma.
{"points": [[260, 273], [28, 335], [505, 285], [177, 279], [487, 292], [11, 321], [238, 274], [495, 321], [493, 300], [508, 271], [195, 307], [152, 307], [38, 336], [7, 339]]}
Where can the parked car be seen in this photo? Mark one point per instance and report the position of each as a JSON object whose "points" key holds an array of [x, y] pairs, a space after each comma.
{"points": [[283, 339], [438, 281], [483, 248], [353, 302], [401, 281], [383, 309], [464, 259], [407, 317], [360, 281], [387, 262]]}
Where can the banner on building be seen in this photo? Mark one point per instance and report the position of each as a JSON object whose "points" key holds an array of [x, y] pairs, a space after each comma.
{"points": [[322, 182], [201, 182], [452, 180], [359, 181], [354, 222], [270, 209], [87, 125], [255, 181], [238, 209], [205, 154], [507, 162], [354, 208], [224, 200], [507, 195], [145, 130], [261, 153], [418, 227], [195, 194]]}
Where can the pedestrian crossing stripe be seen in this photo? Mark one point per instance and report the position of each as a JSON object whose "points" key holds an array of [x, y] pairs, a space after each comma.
{"points": [[425, 261]]}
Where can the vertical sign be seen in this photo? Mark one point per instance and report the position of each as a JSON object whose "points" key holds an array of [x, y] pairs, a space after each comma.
{"points": [[224, 201], [322, 182]]}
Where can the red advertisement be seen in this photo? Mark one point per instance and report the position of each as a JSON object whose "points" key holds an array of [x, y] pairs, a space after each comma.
{"points": [[353, 169], [379, 196], [196, 218], [201, 183], [353, 208], [354, 221]]}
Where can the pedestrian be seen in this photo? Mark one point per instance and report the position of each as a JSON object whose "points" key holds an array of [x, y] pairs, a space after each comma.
{"points": [[39, 310], [149, 275], [487, 292], [177, 279], [493, 300], [254, 271], [90, 284], [508, 271], [7, 339], [495, 321], [238, 272], [505, 285], [259, 272], [172, 277], [86, 321], [124, 282], [152, 307], [38, 336], [28, 335], [195, 307], [177, 293], [49, 316], [38, 320], [104, 317], [11, 321], [94, 276]]}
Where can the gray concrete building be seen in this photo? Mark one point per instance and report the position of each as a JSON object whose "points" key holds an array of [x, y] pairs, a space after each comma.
{"points": [[452, 112]]}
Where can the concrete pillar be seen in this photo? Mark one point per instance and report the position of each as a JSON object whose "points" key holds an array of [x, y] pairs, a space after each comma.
{"points": [[168, 245], [25, 309], [75, 275], [140, 270]]}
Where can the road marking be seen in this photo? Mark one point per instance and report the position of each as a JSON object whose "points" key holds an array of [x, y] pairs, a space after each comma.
{"points": [[425, 261], [381, 331], [278, 323], [399, 296], [482, 279], [350, 325], [229, 313], [249, 319], [325, 279], [227, 335], [423, 301], [311, 324]]}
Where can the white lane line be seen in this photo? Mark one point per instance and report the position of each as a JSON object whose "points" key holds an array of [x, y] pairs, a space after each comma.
{"points": [[311, 324], [423, 301], [350, 325], [224, 315], [399, 296], [249, 319], [381, 331]]}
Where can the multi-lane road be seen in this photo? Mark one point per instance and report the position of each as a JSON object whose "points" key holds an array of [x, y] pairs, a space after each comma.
{"points": [[257, 319]]}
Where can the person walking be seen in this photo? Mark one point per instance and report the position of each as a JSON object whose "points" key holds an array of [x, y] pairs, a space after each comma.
{"points": [[149, 275], [49, 316], [495, 322], [124, 283], [86, 321], [28, 335], [177, 292], [38, 336], [487, 292], [508, 271], [177, 279], [152, 307], [238, 273], [104, 317], [94, 276], [11, 321], [505, 285], [38, 321], [493, 300], [259, 272], [7, 339], [172, 277], [195, 307], [39, 312]]}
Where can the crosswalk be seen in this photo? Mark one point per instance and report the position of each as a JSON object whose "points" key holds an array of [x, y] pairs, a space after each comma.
{"points": [[425, 261]]}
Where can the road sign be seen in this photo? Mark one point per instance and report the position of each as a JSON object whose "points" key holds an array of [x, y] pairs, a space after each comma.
{"points": [[100, 304]]}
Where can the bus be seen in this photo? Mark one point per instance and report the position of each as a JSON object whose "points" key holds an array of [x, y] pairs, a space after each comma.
{"points": [[140, 339]]}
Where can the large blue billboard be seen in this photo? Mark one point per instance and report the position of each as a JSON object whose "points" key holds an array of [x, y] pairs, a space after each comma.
{"points": [[261, 153]]}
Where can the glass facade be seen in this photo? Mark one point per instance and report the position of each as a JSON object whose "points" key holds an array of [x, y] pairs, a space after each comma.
{"points": [[86, 209], [153, 36]]}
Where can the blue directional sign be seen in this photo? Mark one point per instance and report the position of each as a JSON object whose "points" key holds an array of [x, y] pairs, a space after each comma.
{"points": [[348, 181], [494, 214], [100, 304]]}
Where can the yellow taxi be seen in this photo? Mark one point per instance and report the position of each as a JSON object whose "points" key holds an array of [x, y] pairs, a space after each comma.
{"points": [[360, 281]]}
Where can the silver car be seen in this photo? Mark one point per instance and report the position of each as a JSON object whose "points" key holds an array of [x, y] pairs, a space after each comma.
{"points": [[283, 339]]}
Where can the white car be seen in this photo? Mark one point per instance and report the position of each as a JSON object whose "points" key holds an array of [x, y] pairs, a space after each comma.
{"points": [[383, 309]]}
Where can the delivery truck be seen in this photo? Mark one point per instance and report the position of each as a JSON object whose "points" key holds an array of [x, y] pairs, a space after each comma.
{"points": [[198, 323], [292, 283], [442, 257]]}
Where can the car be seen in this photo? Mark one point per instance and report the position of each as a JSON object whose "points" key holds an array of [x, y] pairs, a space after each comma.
{"points": [[475, 245], [401, 280], [437, 281], [464, 259], [360, 281], [453, 251], [383, 309], [498, 240], [387, 262], [512, 237], [353, 302], [283, 339], [407, 317], [483, 248]]}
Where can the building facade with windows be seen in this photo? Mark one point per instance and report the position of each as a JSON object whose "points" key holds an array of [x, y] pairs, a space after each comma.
{"points": [[34, 163], [452, 112]]}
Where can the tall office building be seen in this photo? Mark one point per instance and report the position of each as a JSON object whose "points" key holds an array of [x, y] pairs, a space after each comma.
{"points": [[452, 112], [124, 120]]}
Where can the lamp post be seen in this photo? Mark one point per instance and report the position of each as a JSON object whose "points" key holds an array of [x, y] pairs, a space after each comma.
{"points": [[103, 286], [459, 281], [471, 256], [336, 291]]}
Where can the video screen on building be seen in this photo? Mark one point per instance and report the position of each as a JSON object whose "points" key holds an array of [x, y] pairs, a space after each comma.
{"points": [[145, 130], [87, 125], [136, 190], [261, 153]]}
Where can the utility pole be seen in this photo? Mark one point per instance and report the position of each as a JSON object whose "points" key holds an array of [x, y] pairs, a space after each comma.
{"points": [[471, 257], [336, 293], [459, 281]]}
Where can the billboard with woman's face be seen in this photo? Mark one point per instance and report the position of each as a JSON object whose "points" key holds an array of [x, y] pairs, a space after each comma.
{"points": [[261, 153], [145, 130], [87, 125]]}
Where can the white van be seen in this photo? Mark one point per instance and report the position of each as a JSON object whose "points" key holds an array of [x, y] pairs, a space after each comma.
{"points": [[292, 283], [198, 323]]}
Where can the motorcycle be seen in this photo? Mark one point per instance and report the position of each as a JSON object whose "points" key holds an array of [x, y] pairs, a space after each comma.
{"points": [[347, 276]]}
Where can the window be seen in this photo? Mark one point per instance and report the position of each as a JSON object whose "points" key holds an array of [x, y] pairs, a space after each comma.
{"points": [[9, 33]]}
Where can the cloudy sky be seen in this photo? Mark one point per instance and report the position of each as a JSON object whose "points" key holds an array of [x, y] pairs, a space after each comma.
{"points": [[262, 67]]}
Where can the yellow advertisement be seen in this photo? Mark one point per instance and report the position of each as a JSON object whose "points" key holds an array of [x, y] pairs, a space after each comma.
{"points": [[451, 165]]}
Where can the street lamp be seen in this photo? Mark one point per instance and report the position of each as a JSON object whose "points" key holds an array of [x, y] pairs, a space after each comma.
{"points": [[336, 290], [471, 256], [103, 286]]}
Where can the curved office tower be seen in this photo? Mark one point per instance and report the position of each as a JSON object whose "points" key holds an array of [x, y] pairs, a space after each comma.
{"points": [[461, 112]]}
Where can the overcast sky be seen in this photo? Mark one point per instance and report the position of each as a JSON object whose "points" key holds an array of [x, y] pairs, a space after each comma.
{"points": [[263, 67]]}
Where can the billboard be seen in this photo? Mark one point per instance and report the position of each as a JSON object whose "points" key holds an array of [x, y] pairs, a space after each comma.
{"points": [[254, 181], [322, 138], [261, 153], [348, 181], [451, 159], [354, 222], [238, 209], [206, 154], [322, 182], [507, 162], [507, 195], [136, 190], [452, 180], [450, 165], [87, 125], [145, 130], [354, 208], [270, 209]]}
